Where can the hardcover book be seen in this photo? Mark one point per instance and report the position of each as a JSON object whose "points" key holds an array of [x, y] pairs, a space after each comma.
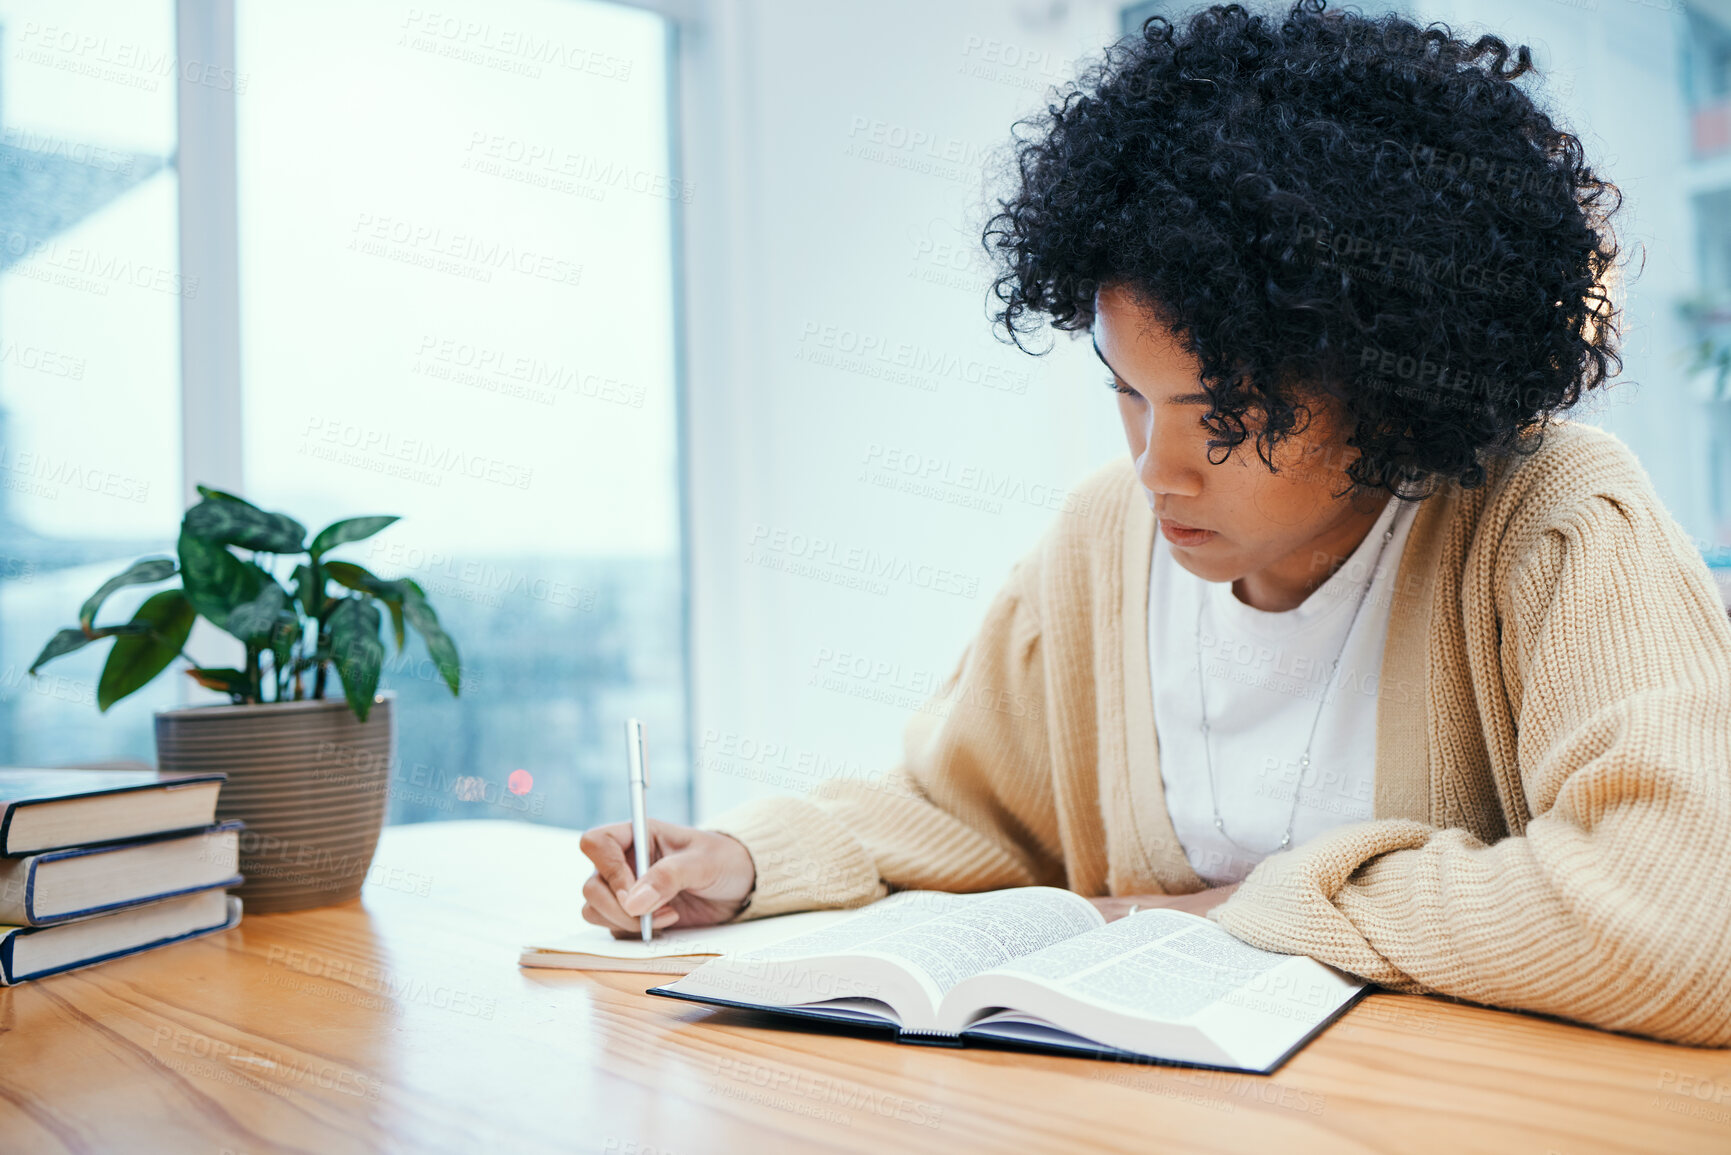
{"points": [[1039, 967], [60, 885], [52, 809], [28, 953]]}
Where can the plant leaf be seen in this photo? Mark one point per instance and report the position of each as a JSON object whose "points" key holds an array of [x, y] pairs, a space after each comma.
{"points": [[150, 569], [391, 593], [253, 621], [219, 495], [363, 580], [357, 652], [270, 621], [61, 643], [306, 590], [352, 529], [439, 643], [226, 680], [283, 637], [138, 657], [226, 520], [215, 580]]}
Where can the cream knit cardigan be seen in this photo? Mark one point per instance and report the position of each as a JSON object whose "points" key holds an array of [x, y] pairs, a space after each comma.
{"points": [[1552, 823]]}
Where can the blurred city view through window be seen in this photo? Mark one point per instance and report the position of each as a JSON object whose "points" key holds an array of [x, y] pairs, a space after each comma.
{"points": [[1706, 74], [458, 309], [90, 290]]}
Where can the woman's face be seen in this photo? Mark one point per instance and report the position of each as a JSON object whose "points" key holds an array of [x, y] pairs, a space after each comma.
{"points": [[1275, 536]]}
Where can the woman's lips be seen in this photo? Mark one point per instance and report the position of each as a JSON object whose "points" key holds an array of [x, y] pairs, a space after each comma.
{"points": [[1184, 535]]}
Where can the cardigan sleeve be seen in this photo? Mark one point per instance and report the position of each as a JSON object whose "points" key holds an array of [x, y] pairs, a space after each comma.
{"points": [[968, 808], [1612, 904]]}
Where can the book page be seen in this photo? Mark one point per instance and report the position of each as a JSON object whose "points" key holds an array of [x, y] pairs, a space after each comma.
{"points": [[1163, 984], [1158, 964], [944, 938]]}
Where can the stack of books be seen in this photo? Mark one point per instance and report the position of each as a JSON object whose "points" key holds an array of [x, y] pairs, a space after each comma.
{"points": [[99, 864]]}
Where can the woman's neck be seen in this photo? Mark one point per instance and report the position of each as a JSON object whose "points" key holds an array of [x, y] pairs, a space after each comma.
{"points": [[1288, 582]]}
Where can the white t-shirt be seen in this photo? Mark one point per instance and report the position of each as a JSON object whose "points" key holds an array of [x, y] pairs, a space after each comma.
{"points": [[1266, 674]]}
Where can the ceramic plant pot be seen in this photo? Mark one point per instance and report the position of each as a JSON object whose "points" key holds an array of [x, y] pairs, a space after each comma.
{"points": [[310, 782]]}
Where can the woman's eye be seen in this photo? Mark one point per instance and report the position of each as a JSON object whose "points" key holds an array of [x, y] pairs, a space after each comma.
{"points": [[1116, 386]]}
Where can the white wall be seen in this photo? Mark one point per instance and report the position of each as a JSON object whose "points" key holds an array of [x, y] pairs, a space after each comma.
{"points": [[836, 153], [846, 145]]}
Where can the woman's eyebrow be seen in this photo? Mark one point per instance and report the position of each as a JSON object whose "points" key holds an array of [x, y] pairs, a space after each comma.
{"points": [[1182, 399]]}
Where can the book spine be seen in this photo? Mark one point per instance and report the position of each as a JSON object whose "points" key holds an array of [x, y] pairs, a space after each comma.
{"points": [[17, 891], [928, 1038]]}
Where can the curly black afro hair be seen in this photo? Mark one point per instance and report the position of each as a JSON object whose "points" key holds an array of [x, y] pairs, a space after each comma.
{"points": [[1325, 205]]}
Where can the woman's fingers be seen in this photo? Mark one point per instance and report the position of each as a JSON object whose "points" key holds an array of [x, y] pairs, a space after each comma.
{"points": [[606, 847], [708, 868], [664, 881], [600, 906]]}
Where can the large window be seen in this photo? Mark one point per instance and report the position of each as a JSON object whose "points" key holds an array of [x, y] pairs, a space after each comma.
{"points": [[89, 355], [457, 305], [1706, 79]]}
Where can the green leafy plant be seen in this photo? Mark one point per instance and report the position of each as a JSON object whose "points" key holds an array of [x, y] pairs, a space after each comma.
{"points": [[288, 631]]}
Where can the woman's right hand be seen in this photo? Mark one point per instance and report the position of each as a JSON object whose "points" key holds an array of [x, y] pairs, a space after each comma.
{"points": [[696, 877]]}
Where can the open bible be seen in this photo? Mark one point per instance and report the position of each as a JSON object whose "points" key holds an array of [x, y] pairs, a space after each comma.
{"points": [[1040, 967]]}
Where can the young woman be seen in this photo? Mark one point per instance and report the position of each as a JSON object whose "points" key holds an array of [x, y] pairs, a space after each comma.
{"points": [[1364, 651]]}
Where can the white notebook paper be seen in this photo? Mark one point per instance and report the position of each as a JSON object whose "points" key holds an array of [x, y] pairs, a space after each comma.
{"points": [[673, 951]]}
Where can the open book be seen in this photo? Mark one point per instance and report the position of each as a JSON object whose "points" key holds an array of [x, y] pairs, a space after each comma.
{"points": [[1039, 966]]}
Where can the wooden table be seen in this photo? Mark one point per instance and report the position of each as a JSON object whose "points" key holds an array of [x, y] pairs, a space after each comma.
{"points": [[401, 1022]]}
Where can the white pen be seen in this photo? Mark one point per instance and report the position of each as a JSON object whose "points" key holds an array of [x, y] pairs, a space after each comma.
{"points": [[637, 759]]}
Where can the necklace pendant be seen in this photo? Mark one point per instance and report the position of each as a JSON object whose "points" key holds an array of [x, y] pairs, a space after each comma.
{"points": [[1219, 825]]}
